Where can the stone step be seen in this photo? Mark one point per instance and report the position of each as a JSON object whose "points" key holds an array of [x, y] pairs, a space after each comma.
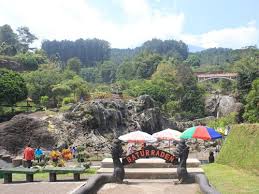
{"points": [[151, 163], [150, 173]]}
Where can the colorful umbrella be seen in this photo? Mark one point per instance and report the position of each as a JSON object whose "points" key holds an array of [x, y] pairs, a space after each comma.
{"points": [[137, 137], [200, 132], [167, 134]]}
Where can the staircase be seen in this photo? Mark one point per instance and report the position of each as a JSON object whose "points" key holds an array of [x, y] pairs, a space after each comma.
{"points": [[150, 168]]}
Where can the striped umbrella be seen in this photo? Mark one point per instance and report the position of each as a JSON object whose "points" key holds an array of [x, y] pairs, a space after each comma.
{"points": [[167, 134], [137, 137], [200, 132]]}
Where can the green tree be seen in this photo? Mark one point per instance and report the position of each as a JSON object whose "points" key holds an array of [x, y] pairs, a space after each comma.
{"points": [[8, 40], [107, 72], [13, 87], [40, 82], [189, 94], [78, 86], [252, 103], [60, 91], [193, 60], [141, 67], [7, 35], [25, 38], [89, 74], [248, 70], [74, 64], [126, 71]]}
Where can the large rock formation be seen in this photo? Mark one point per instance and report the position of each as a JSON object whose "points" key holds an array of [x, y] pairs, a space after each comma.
{"points": [[92, 123], [221, 105], [23, 129]]}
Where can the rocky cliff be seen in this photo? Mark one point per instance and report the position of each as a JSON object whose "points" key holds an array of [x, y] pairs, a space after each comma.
{"points": [[92, 123]]}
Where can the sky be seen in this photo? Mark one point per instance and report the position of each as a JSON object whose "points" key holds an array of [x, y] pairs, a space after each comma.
{"points": [[129, 23]]}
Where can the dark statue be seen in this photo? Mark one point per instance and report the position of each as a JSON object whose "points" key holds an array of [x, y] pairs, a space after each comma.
{"points": [[119, 172], [182, 152]]}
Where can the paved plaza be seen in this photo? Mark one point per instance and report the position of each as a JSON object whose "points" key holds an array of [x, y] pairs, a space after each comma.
{"points": [[145, 186]]}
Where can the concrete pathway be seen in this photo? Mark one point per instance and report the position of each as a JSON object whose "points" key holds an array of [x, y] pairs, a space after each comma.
{"points": [[147, 186], [40, 188]]}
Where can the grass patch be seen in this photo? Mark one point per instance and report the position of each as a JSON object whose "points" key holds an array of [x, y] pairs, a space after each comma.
{"points": [[227, 179], [240, 149]]}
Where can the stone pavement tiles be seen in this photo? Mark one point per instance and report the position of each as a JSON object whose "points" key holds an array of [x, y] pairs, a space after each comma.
{"points": [[156, 186]]}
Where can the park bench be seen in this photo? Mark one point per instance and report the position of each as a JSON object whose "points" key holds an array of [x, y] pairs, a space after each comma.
{"points": [[7, 173], [53, 171]]}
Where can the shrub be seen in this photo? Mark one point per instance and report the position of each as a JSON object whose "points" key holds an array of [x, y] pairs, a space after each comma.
{"points": [[68, 100], [224, 121]]}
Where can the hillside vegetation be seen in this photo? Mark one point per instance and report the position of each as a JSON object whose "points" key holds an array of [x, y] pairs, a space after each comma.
{"points": [[237, 166], [241, 148]]}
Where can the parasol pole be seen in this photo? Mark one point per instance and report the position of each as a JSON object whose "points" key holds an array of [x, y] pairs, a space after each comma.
{"points": [[169, 145]]}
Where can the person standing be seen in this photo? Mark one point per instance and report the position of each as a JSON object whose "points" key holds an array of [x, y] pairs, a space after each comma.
{"points": [[38, 154], [211, 157], [28, 155]]}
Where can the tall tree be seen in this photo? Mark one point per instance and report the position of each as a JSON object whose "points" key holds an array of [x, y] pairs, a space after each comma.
{"points": [[8, 40], [89, 51], [7, 35], [25, 38]]}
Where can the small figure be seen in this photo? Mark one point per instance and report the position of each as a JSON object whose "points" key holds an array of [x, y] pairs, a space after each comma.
{"points": [[55, 155], [38, 154], [74, 151], [28, 155], [66, 153], [211, 157]]}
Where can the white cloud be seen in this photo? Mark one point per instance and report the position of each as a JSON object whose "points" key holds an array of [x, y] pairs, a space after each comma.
{"points": [[67, 19], [228, 37]]}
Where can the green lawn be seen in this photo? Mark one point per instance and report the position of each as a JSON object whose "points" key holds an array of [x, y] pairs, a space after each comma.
{"points": [[228, 180], [45, 176], [240, 149]]}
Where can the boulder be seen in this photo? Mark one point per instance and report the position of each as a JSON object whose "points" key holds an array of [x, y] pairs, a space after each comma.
{"points": [[227, 105], [23, 129], [221, 105]]}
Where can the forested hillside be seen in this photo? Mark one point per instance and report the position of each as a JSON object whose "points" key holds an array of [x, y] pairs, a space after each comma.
{"points": [[64, 72]]}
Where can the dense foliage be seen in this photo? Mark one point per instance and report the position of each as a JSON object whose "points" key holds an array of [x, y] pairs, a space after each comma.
{"points": [[64, 72], [89, 51], [169, 48], [252, 103], [13, 87]]}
